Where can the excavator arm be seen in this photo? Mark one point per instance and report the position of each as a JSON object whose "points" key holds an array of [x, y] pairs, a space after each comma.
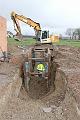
{"points": [[16, 24], [15, 17]]}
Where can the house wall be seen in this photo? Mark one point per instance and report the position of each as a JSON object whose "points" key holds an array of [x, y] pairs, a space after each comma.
{"points": [[3, 34]]}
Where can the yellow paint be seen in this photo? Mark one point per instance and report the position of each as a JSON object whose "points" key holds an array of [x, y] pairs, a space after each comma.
{"points": [[54, 38]]}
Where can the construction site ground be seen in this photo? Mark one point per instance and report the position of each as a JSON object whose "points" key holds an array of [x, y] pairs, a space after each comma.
{"points": [[61, 104]]}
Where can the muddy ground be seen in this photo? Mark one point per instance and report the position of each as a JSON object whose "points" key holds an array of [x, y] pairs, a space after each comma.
{"points": [[61, 104]]}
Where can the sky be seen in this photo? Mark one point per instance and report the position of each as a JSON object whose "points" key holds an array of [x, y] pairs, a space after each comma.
{"points": [[53, 15]]}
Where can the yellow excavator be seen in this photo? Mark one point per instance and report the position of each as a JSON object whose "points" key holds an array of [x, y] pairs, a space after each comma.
{"points": [[42, 36]]}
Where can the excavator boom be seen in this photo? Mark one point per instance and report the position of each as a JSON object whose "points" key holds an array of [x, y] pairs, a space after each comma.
{"points": [[42, 36], [15, 17]]}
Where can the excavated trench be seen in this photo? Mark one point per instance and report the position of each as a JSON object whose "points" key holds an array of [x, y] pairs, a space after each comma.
{"points": [[40, 87], [54, 92], [57, 99]]}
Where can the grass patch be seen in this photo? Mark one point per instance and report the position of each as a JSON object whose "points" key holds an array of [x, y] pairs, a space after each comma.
{"points": [[28, 41], [31, 41], [73, 43]]}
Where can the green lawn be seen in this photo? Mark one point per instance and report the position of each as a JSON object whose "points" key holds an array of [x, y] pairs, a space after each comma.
{"points": [[30, 41], [74, 43]]}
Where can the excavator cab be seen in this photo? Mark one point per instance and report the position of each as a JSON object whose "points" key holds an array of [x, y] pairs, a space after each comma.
{"points": [[45, 37], [45, 34]]}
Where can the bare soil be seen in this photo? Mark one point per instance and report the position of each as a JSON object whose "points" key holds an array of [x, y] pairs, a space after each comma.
{"points": [[64, 101]]}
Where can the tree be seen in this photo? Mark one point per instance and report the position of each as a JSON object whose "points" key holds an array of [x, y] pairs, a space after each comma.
{"points": [[70, 32], [77, 32]]}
